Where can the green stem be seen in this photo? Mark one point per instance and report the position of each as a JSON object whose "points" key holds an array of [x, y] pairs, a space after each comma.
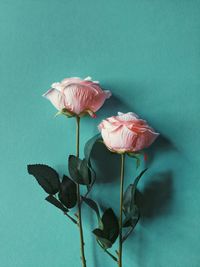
{"points": [[121, 211], [79, 196], [77, 135]]}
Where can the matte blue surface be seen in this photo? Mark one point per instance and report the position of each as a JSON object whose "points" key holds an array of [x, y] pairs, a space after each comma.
{"points": [[147, 52]]}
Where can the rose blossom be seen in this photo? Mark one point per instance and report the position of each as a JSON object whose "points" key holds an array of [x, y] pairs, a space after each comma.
{"points": [[126, 133], [77, 95]]}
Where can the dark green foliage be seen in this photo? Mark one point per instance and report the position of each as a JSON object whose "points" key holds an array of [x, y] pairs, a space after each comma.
{"points": [[130, 208], [108, 230], [101, 237], [46, 176], [67, 194], [132, 217], [51, 199], [85, 171], [79, 170], [87, 152]]}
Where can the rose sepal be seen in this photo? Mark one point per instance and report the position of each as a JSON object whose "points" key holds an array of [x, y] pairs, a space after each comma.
{"points": [[66, 112]]}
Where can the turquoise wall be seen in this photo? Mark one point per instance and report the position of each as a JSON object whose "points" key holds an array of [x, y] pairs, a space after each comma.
{"points": [[147, 52]]}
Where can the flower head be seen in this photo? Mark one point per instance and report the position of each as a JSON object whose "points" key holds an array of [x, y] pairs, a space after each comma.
{"points": [[77, 96], [126, 133]]}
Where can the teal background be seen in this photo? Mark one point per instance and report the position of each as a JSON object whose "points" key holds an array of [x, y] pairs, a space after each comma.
{"points": [[147, 52]]}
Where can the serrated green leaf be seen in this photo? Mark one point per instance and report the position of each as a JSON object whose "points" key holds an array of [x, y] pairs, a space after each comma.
{"points": [[87, 152], [102, 239], [99, 233], [46, 176], [130, 208], [108, 230], [110, 225], [67, 194], [85, 172], [73, 165], [129, 195], [132, 217], [79, 171], [137, 179], [51, 199]]}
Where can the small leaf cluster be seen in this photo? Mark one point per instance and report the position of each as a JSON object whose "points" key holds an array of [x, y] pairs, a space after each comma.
{"points": [[62, 193], [108, 226], [130, 207]]}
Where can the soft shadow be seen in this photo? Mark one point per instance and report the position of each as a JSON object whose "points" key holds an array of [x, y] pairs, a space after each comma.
{"points": [[92, 223], [162, 145], [113, 105], [105, 163], [156, 199]]}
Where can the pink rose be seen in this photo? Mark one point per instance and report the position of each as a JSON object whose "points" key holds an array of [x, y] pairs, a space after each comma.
{"points": [[126, 133], [77, 96]]}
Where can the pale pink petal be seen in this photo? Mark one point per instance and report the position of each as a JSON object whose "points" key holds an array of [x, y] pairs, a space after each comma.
{"points": [[99, 100], [113, 120], [78, 98], [88, 78], [145, 139], [126, 133], [106, 137], [67, 81], [110, 127], [55, 97], [127, 116], [124, 139], [57, 86], [107, 94], [78, 95]]}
